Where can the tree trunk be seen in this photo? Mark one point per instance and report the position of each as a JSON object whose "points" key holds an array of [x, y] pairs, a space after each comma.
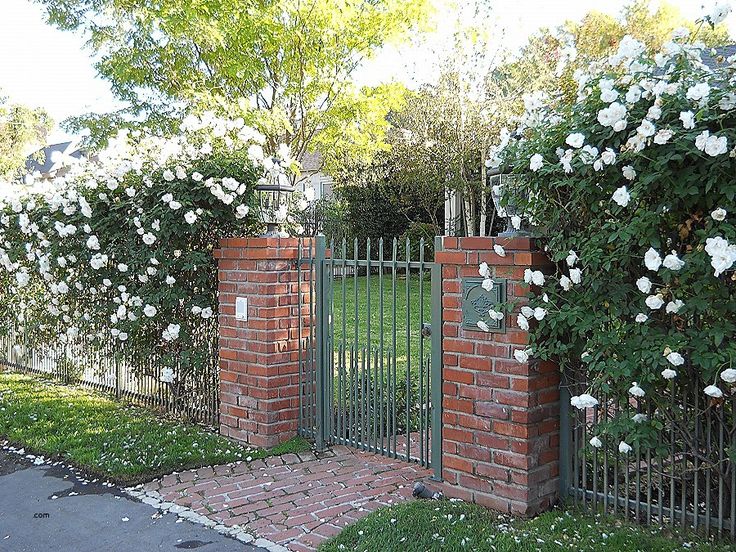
{"points": [[483, 197], [468, 213]]}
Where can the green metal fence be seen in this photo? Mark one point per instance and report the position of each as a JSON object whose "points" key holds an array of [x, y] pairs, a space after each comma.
{"points": [[679, 473], [370, 357]]}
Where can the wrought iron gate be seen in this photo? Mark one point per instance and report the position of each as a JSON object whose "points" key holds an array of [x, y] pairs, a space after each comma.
{"points": [[370, 348]]}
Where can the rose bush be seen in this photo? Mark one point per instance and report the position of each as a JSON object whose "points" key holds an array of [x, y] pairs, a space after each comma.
{"points": [[120, 248], [632, 189]]}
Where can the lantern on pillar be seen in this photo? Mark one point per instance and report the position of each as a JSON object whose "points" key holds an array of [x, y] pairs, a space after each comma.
{"points": [[274, 198]]}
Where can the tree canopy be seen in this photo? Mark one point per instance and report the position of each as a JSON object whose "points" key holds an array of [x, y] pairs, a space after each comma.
{"points": [[285, 65], [21, 128]]}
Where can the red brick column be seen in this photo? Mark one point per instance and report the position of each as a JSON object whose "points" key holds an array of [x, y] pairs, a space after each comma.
{"points": [[500, 417], [259, 368]]}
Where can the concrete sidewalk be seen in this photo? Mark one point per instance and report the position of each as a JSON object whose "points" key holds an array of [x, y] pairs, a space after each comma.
{"points": [[49, 507]]}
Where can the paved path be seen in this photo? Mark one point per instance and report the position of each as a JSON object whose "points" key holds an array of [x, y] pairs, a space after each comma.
{"points": [[293, 500], [49, 507]]}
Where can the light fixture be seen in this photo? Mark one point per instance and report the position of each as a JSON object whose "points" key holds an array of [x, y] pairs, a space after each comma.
{"points": [[274, 193]]}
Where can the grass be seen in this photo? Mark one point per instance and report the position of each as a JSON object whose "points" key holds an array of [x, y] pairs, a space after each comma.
{"points": [[448, 526], [122, 443], [403, 346]]}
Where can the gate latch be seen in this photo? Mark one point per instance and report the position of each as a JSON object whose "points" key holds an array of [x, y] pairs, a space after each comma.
{"points": [[426, 329]]}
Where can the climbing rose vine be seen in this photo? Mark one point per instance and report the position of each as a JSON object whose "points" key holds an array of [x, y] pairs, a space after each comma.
{"points": [[631, 189], [120, 247]]}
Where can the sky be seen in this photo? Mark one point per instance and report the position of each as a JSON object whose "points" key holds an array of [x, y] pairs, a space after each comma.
{"points": [[41, 66]]}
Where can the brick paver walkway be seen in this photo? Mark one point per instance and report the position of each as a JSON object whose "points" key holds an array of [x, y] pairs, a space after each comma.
{"points": [[294, 500]]}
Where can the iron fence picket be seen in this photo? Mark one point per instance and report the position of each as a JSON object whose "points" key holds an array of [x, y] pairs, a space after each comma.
{"points": [[684, 476]]}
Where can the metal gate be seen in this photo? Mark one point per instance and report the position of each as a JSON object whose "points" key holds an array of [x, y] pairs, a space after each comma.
{"points": [[370, 348]]}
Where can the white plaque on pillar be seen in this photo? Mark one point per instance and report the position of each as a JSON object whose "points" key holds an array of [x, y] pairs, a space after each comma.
{"points": [[241, 308]]}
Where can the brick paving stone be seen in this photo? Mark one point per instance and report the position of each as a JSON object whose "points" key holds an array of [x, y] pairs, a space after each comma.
{"points": [[295, 500]]}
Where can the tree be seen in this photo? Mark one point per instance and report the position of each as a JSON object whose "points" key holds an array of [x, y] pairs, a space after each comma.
{"points": [[21, 129], [285, 65], [553, 55]]}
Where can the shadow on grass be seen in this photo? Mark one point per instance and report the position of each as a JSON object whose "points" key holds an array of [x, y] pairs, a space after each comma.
{"points": [[118, 442]]}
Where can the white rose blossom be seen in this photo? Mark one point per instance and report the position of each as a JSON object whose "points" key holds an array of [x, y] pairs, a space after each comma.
{"points": [[729, 375], [719, 214], [581, 402], [654, 302], [621, 196]]}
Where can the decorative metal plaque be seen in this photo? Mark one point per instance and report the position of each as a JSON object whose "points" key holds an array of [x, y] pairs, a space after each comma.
{"points": [[477, 302]]}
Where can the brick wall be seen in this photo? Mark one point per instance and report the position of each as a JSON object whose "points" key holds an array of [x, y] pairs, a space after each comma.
{"points": [[500, 417], [259, 367]]}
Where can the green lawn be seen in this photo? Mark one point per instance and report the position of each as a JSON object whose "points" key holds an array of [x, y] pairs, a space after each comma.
{"points": [[359, 320], [105, 438], [448, 526]]}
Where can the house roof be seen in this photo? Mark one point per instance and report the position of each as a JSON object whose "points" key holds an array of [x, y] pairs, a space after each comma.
{"points": [[311, 162], [43, 160], [717, 56]]}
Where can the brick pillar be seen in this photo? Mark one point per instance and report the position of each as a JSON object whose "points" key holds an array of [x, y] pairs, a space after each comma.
{"points": [[500, 417], [259, 367]]}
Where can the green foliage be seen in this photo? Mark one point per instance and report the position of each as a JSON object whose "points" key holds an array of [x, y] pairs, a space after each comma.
{"points": [[454, 526], [292, 60], [645, 188], [122, 443], [118, 253], [21, 129], [415, 233], [369, 213]]}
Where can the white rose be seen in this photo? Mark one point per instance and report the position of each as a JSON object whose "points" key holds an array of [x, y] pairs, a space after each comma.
{"points": [[483, 326], [521, 355], [535, 162], [571, 258], [729, 375], [624, 448], [672, 262], [484, 270], [565, 282], [596, 442], [641, 318], [652, 260], [621, 196], [675, 359], [575, 140], [673, 307], [500, 251], [719, 214], [538, 278], [576, 275], [522, 322], [669, 373], [654, 302], [688, 119], [628, 172], [644, 284], [495, 315], [713, 391], [150, 311], [636, 391], [190, 217], [581, 402]]}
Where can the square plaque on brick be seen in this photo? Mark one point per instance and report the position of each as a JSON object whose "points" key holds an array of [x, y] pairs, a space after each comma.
{"points": [[477, 302]]}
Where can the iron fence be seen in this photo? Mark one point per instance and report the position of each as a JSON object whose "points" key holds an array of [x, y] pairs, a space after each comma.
{"points": [[679, 472], [106, 367], [370, 357]]}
